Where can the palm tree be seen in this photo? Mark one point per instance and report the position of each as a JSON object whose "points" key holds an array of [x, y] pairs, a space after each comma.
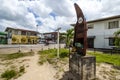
{"points": [[69, 36], [117, 38], [62, 37]]}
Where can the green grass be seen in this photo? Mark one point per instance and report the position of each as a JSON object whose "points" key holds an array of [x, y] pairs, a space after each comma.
{"points": [[51, 54], [15, 55], [22, 69], [13, 72], [8, 74], [113, 59], [48, 55]]}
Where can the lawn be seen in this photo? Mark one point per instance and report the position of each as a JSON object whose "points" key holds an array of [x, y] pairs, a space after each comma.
{"points": [[51, 55], [113, 59], [15, 55]]}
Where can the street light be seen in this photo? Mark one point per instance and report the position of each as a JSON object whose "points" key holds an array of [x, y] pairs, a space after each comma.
{"points": [[58, 41]]}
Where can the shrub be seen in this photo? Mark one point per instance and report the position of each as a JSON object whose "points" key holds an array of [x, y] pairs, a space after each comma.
{"points": [[8, 74], [22, 69], [14, 39], [23, 40]]}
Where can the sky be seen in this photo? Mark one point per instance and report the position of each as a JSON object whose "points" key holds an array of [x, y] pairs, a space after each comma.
{"points": [[48, 15]]}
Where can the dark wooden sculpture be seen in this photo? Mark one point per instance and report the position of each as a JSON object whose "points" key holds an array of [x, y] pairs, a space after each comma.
{"points": [[80, 35]]}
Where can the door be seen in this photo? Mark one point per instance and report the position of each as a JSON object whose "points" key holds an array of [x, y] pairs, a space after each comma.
{"points": [[90, 42]]}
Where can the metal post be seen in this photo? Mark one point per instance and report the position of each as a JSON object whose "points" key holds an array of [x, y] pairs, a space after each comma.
{"points": [[58, 42], [58, 45], [19, 47]]}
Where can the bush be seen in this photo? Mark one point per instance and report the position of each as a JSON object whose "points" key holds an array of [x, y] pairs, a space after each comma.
{"points": [[23, 40], [8, 74], [22, 69], [14, 39]]}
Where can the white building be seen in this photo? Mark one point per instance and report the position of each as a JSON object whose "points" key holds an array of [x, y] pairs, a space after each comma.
{"points": [[101, 32]]}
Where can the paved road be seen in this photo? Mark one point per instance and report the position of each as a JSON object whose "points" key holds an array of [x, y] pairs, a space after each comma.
{"points": [[7, 49]]}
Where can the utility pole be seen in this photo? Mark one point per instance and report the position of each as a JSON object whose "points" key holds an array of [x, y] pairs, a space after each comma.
{"points": [[58, 42], [36, 28]]}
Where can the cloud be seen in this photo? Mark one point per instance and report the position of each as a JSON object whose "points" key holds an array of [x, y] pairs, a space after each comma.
{"points": [[49, 15], [94, 9], [110, 8], [61, 7], [16, 13]]}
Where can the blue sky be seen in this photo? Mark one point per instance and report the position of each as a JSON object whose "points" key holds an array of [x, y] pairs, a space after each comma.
{"points": [[50, 14]]}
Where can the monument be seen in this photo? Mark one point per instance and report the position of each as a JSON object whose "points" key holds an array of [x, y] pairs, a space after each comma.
{"points": [[80, 32], [81, 66]]}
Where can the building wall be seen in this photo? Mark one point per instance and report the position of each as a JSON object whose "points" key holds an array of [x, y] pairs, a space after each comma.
{"points": [[32, 39], [19, 38], [3, 38], [101, 33]]}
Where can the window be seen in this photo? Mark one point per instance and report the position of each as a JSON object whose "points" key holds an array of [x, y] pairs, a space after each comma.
{"points": [[23, 33], [113, 24], [111, 41], [16, 32], [90, 26], [33, 34]]}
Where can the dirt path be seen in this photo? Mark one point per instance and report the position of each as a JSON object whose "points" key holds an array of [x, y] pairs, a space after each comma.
{"points": [[38, 72], [34, 71]]}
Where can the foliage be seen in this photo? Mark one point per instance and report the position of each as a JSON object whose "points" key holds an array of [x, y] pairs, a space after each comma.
{"points": [[8, 74], [13, 72], [14, 39], [15, 55], [23, 40], [62, 37], [106, 58], [22, 69], [51, 54], [117, 38], [69, 36]]}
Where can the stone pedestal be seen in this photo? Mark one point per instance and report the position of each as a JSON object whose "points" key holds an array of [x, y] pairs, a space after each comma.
{"points": [[82, 67]]}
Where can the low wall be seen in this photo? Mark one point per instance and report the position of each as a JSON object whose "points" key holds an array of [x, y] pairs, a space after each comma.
{"points": [[8, 49]]}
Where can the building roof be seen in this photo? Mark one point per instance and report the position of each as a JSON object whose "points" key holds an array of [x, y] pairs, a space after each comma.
{"points": [[20, 29], [103, 19]]}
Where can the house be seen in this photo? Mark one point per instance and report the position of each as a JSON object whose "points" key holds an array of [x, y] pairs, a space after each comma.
{"points": [[50, 37], [3, 37], [100, 32], [21, 36]]}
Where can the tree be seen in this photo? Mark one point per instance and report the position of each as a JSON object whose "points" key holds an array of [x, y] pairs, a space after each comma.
{"points": [[14, 39], [62, 37], [117, 38], [23, 40], [69, 36]]}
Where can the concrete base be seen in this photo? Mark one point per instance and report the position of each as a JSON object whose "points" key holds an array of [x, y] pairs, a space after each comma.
{"points": [[82, 67]]}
